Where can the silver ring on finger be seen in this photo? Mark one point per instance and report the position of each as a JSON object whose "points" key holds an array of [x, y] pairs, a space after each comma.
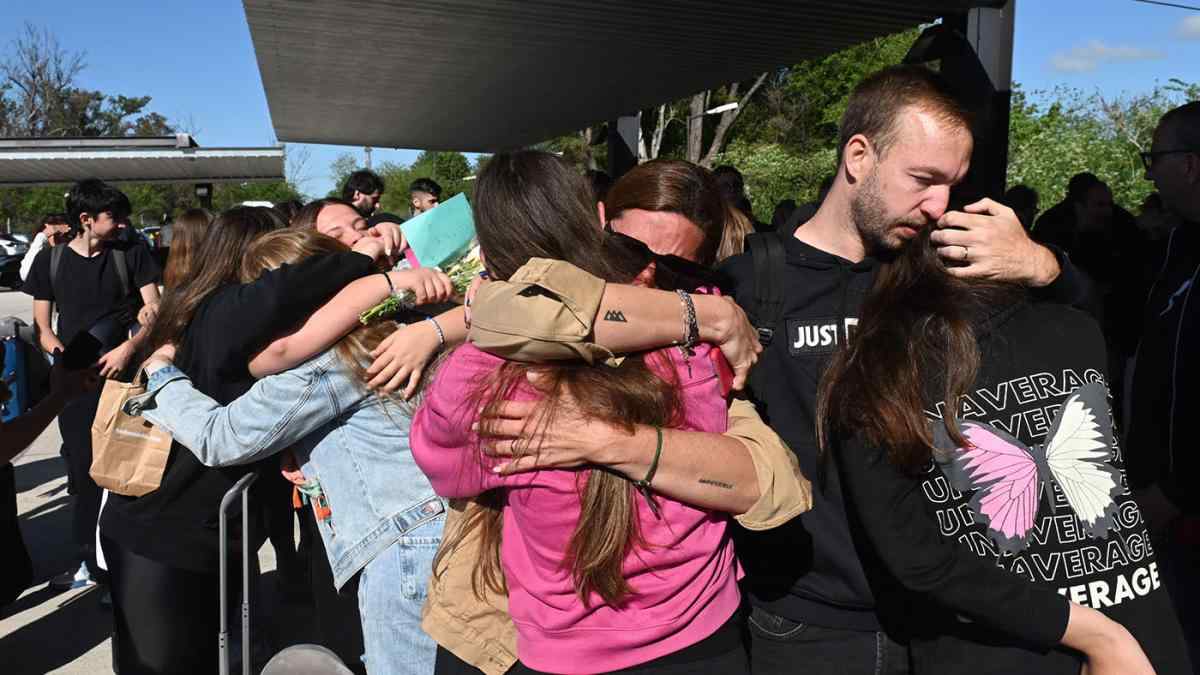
{"points": [[966, 254]]}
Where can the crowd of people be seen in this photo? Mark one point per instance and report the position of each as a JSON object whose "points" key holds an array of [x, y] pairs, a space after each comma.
{"points": [[884, 433]]}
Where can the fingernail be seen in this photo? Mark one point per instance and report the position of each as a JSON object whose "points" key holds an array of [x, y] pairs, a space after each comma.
{"points": [[498, 468], [475, 426]]}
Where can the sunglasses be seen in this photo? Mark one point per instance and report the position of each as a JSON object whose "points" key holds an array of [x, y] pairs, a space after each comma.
{"points": [[671, 272]]}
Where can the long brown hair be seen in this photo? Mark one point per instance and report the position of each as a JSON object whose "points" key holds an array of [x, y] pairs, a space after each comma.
{"points": [[221, 250], [186, 232], [290, 246], [532, 204], [916, 339], [676, 186]]}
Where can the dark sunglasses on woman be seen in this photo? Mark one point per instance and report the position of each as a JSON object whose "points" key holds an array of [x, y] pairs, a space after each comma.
{"points": [[671, 272]]}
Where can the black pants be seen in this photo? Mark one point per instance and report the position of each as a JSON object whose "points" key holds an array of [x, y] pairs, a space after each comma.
{"points": [[338, 621], [75, 425], [165, 619], [781, 646]]}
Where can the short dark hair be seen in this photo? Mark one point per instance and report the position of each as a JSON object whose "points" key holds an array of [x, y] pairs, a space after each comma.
{"points": [[877, 103], [1021, 197], [730, 182], [54, 219], [93, 197], [289, 209], [1184, 125], [307, 216], [426, 185], [1080, 185], [364, 181]]}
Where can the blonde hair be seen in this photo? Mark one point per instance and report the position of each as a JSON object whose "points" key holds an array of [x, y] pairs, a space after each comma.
{"points": [[290, 246], [733, 238]]}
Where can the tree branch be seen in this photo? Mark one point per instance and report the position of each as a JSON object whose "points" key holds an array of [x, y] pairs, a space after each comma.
{"points": [[727, 119]]}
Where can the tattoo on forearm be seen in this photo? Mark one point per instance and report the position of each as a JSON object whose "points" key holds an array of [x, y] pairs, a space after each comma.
{"points": [[615, 315], [716, 483]]}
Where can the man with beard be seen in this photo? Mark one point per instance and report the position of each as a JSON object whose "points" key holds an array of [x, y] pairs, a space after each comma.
{"points": [[363, 190], [905, 142]]}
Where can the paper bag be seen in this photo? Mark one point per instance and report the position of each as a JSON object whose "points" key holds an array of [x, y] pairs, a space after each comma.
{"points": [[129, 454]]}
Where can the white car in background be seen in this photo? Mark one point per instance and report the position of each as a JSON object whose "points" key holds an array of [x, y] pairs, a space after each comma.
{"points": [[10, 244]]}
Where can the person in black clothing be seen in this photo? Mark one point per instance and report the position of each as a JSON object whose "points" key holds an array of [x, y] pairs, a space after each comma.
{"points": [[1023, 200], [997, 526], [904, 143], [1162, 457], [82, 279], [162, 548], [424, 194], [363, 189], [733, 188]]}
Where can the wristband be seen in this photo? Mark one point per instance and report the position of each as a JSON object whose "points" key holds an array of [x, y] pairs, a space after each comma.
{"points": [[438, 327], [643, 485], [391, 286], [691, 327]]}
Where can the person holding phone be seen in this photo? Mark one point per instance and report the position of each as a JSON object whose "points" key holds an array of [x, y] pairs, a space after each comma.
{"points": [[95, 283]]}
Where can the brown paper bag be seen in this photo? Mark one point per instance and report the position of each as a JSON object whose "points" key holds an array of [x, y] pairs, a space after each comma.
{"points": [[129, 454]]}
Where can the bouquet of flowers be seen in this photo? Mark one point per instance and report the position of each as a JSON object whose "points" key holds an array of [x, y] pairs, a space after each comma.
{"points": [[461, 272]]}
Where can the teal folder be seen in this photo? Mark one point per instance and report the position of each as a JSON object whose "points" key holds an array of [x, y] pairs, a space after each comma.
{"points": [[442, 234]]}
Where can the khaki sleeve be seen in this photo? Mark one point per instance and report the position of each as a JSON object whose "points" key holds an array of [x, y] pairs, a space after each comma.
{"points": [[786, 493], [544, 312]]}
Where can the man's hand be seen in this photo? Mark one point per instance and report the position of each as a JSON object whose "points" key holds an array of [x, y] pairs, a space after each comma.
{"points": [[571, 440], [147, 314], [113, 363], [401, 357], [732, 332], [986, 241], [51, 344]]}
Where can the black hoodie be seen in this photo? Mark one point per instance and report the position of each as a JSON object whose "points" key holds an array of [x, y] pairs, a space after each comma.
{"points": [[808, 570], [973, 560]]}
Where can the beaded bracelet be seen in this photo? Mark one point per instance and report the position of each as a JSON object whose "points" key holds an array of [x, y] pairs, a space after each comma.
{"points": [[438, 327]]}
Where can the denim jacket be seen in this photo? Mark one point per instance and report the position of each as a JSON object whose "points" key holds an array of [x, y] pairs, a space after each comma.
{"points": [[353, 442]]}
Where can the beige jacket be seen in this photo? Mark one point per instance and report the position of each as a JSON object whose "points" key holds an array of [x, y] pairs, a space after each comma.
{"points": [[545, 312]]}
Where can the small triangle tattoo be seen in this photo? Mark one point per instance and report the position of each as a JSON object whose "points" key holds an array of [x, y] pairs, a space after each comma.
{"points": [[615, 315]]}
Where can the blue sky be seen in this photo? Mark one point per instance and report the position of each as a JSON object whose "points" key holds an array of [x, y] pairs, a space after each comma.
{"points": [[196, 60]]}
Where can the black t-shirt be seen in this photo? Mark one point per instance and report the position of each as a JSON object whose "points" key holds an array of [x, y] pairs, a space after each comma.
{"points": [[177, 523], [88, 290], [993, 540]]}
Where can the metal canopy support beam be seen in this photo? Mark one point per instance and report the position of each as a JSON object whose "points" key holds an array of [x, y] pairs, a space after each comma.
{"points": [[990, 33], [623, 134], [974, 52]]}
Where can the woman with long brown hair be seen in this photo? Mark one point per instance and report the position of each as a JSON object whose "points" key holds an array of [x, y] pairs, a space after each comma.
{"points": [[375, 511], [161, 548], [601, 574], [971, 432], [186, 233]]}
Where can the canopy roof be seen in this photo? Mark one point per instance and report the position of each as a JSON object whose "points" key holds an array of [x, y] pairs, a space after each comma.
{"points": [[165, 159], [487, 75]]}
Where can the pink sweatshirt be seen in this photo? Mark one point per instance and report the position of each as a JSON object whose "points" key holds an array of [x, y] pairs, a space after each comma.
{"points": [[684, 582]]}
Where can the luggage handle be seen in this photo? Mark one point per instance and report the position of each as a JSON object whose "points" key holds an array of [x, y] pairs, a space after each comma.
{"points": [[241, 487]]}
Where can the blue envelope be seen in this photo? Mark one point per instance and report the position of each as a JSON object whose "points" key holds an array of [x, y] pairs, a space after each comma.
{"points": [[442, 234]]}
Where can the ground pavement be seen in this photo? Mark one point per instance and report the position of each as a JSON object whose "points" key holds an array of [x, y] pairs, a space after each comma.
{"points": [[49, 632]]}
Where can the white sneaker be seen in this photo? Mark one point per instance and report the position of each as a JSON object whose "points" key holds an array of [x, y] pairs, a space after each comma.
{"points": [[69, 580]]}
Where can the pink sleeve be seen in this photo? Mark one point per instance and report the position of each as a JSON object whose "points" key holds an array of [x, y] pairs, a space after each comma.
{"points": [[441, 439]]}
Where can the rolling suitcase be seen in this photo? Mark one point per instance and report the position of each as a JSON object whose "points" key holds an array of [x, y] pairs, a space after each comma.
{"points": [[16, 377], [242, 488]]}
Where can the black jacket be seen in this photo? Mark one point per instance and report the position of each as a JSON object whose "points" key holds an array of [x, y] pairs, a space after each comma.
{"points": [[1165, 391], [808, 570], [974, 559]]}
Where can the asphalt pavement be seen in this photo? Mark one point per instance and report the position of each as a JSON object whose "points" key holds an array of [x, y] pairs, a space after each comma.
{"points": [[49, 632]]}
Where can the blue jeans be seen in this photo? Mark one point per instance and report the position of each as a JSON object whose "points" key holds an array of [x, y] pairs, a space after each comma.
{"points": [[391, 591]]}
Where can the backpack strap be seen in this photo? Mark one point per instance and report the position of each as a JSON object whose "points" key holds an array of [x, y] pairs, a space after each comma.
{"points": [[118, 257], [56, 254], [767, 252]]}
